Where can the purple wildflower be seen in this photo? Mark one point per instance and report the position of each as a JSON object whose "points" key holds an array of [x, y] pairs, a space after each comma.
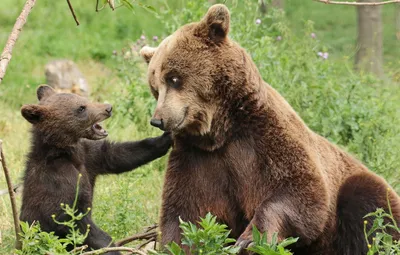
{"points": [[258, 21], [325, 55], [155, 38], [320, 54], [279, 38], [142, 37], [313, 35]]}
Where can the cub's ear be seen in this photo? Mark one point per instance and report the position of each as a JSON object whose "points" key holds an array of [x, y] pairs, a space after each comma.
{"points": [[147, 53], [33, 113], [44, 91], [215, 24]]}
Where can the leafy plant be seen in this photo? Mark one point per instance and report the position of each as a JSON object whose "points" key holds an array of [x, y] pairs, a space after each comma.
{"points": [[36, 241], [262, 247], [383, 226], [210, 238], [213, 238]]}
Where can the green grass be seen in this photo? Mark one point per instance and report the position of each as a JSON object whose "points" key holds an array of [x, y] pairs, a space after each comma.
{"points": [[359, 113]]}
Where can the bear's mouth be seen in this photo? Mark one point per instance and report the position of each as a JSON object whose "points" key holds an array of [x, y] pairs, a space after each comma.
{"points": [[99, 130], [185, 113]]}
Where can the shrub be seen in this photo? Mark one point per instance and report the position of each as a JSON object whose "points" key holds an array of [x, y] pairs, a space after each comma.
{"points": [[383, 225], [212, 238], [36, 241]]}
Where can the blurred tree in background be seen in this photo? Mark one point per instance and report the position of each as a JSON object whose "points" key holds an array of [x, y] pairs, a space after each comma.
{"points": [[369, 57], [398, 21]]}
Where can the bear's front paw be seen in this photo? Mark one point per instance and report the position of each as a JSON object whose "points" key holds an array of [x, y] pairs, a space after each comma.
{"points": [[244, 242]]}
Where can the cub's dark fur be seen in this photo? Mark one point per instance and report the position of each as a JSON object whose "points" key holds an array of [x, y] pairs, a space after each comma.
{"points": [[65, 143]]}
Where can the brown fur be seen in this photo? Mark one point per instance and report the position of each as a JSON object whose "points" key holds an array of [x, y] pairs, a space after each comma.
{"points": [[242, 153], [60, 152]]}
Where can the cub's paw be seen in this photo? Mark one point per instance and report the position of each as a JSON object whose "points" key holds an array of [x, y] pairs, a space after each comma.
{"points": [[165, 140]]}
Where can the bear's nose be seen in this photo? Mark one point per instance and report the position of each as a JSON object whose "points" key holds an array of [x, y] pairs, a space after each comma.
{"points": [[157, 123], [109, 109]]}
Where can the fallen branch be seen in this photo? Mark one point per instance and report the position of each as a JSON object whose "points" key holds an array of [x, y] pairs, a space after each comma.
{"points": [[104, 250], [7, 51], [357, 3], [140, 246], [73, 12], [12, 197], [149, 234]]}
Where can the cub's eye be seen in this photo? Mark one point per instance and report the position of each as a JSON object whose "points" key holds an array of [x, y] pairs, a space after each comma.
{"points": [[81, 109], [174, 81]]}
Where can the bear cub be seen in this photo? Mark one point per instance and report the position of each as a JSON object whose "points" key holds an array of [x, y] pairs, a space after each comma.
{"points": [[67, 142]]}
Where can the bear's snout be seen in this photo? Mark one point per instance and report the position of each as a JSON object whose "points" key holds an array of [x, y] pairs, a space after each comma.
{"points": [[157, 123], [109, 109]]}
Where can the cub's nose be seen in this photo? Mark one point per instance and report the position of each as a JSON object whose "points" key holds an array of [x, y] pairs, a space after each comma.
{"points": [[157, 123], [109, 109]]}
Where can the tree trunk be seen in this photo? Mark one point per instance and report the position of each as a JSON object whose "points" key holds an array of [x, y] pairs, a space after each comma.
{"points": [[397, 13], [369, 57]]}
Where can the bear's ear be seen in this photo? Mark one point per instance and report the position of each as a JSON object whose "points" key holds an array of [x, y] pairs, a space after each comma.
{"points": [[215, 23], [44, 91], [147, 53], [33, 113]]}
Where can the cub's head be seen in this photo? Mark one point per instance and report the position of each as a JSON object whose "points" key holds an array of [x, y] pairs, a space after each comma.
{"points": [[64, 118], [192, 72]]}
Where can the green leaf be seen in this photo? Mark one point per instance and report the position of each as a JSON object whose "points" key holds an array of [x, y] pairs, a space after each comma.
{"points": [[128, 4], [147, 7], [256, 235]]}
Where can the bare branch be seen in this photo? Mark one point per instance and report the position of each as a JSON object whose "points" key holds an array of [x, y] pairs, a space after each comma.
{"points": [[104, 250], [12, 197], [141, 236], [80, 248], [7, 51], [356, 3], [15, 188], [97, 6], [140, 246], [73, 12]]}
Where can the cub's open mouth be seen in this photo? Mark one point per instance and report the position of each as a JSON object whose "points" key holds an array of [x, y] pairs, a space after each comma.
{"points": [[99, 130]]}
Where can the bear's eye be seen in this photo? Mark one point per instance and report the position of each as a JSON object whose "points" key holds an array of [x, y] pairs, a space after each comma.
{"points": [[174, 81], [81, 109], [154, 92]]}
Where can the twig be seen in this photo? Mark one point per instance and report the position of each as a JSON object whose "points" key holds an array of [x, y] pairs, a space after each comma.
{"points": [[7, 51], [97, 6], [73, 12], [147, 235], [140, 246], [149, 228], [12, 197], [104, 250], [80, 248], [356, 3], [15, 188]]}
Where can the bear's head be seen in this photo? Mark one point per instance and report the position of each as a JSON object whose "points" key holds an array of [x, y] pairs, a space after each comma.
{"points": [[202, 80], [64, 118]]}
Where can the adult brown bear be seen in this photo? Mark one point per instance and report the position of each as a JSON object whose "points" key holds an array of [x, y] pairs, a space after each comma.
{"points": [[242, 153], [67, 142]]}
